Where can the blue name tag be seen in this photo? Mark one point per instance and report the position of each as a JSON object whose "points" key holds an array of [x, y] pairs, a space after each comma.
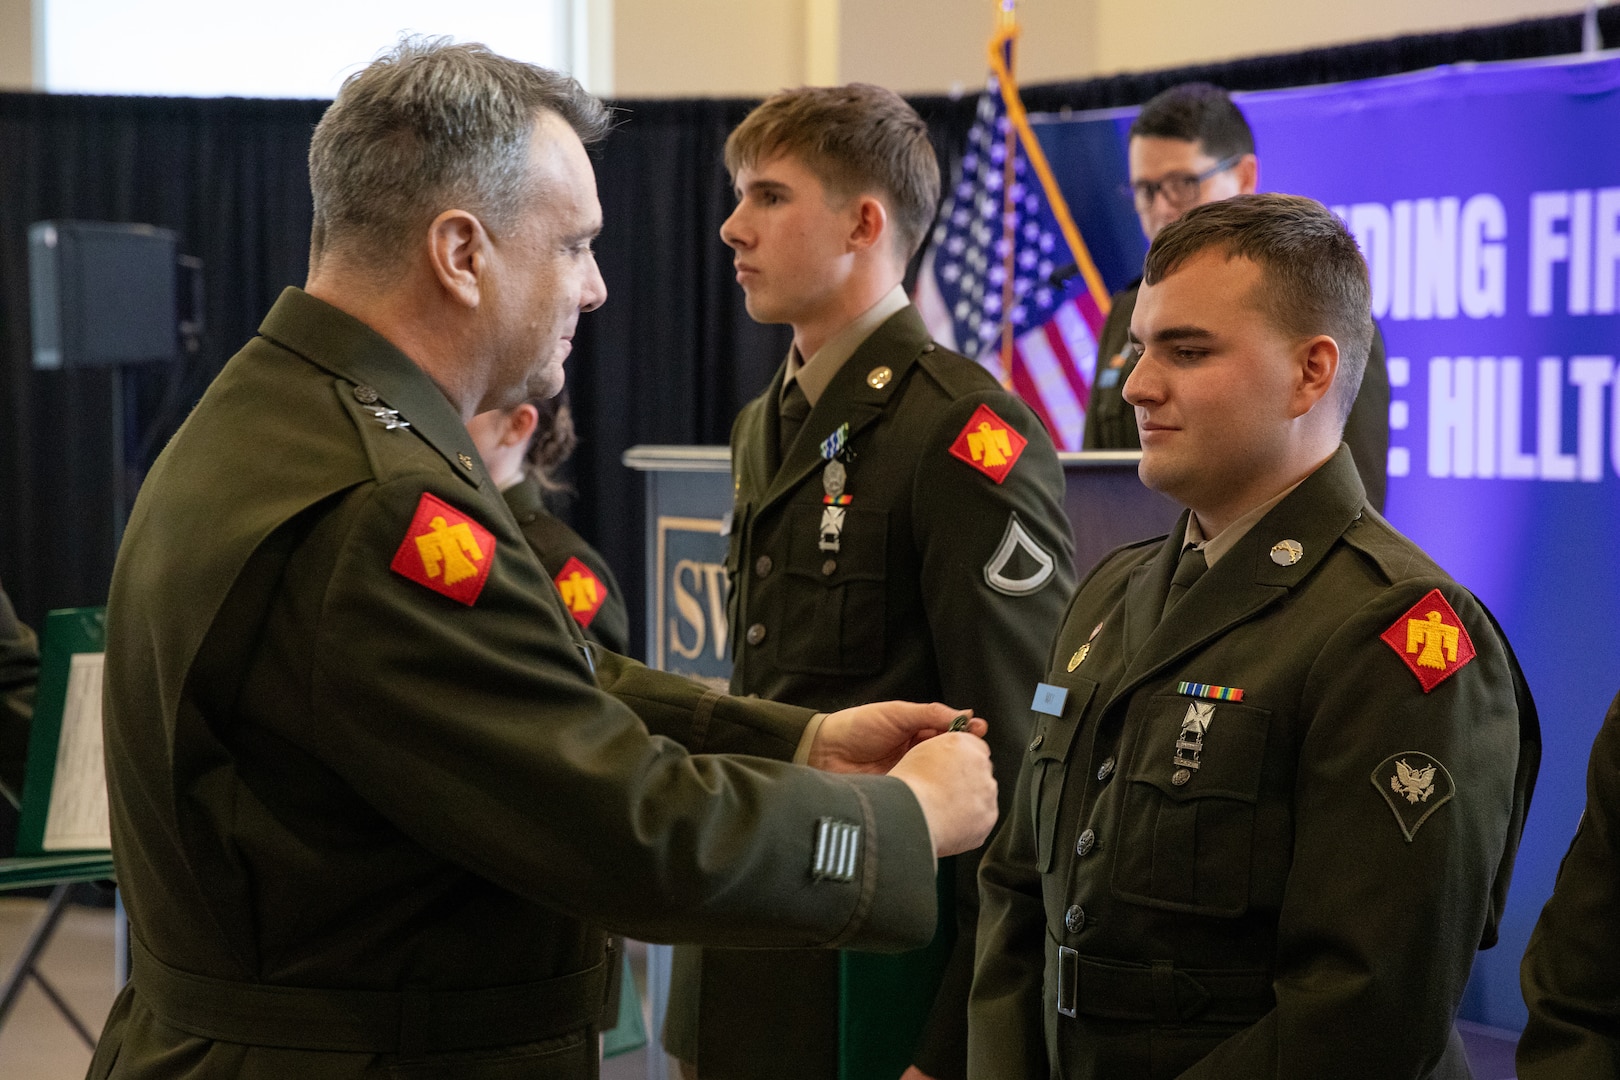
{"points": [[1049, 699]]}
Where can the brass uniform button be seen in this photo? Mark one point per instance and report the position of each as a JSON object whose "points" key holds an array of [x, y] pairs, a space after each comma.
{"points": [[1035, 743], [756, 633], [829, 567], [1088, 841], [762, 565], [1180, 777], [1075, 918], [1105, 770]]}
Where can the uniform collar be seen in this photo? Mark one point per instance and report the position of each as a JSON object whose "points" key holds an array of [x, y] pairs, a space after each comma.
{"points": [[813, 375], [1273, 557], [336, 341], [523, 497], [857, 395]]}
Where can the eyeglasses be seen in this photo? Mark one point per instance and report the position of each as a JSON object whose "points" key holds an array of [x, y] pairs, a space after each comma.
{"points": [[1179, 189]]}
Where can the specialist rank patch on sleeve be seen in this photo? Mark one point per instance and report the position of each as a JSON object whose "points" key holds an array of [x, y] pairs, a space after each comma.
{"points": [[1414, 785], [582, 591], [445, 550], [1431, 640], [989, 444]]}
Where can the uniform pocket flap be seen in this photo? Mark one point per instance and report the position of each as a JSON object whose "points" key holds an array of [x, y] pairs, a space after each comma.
{"points": [[835, 544], [1196, 749]]}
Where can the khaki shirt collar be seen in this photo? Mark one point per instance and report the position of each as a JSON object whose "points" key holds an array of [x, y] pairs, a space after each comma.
{"points": [[1227, 539], [816, 374]]}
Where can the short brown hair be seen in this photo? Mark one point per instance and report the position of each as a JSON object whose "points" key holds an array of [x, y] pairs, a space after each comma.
{"points": [[427, 126], [1197, 112], [1314, 278], [856, 139]]}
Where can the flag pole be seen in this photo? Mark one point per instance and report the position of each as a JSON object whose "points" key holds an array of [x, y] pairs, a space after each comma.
{"points": [[1006, 37]]}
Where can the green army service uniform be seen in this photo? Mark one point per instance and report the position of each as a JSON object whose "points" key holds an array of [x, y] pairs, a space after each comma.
{"points": [[945, 585], [592, 595], [1571, 969], [371, 821], [1245, 841], [1111, 420], [19, 671]]}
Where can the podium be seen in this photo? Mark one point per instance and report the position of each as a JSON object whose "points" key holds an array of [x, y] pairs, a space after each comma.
{"points": [[688, 517]]}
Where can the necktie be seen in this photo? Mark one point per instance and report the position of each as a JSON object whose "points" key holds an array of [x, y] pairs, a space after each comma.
{"points": [[795, 407], [1188, 570]]}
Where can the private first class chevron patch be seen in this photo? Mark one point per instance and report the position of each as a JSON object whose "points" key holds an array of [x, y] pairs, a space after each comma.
{"points": [[1431, 641], [445, 550], [989, 444]]}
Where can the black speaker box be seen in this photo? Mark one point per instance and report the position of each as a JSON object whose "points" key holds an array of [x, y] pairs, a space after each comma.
{"points": [[101, 294]]}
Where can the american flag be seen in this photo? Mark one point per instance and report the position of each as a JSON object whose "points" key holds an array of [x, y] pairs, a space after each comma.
{"points": [[985, 287]]}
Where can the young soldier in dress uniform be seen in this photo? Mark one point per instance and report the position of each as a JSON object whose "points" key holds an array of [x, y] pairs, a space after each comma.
{"points": [[521, 448], [1189, 146], [898, 531], [1282, 760], [369, 803], [1571, 970]]}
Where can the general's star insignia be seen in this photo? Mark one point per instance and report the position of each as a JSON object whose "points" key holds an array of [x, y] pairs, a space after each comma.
{"points": [[1414, 785]]}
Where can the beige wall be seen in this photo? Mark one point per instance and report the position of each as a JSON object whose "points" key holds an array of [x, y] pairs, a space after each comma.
{"points": [[17, 45], [1138, 36], [665, 48]]}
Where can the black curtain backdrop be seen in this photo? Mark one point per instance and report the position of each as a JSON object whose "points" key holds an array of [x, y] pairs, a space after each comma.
{"points": [[670, 359]]}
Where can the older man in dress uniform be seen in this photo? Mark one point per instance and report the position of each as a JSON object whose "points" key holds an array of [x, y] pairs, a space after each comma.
{"points": [[1282, 760], [372, 809]]}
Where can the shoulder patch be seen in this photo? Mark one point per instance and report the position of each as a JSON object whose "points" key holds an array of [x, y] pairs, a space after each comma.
{"points": [[989, 444], [445, 550], [582, 591], [1414, 785], [1431, 641], [1019, 566]]}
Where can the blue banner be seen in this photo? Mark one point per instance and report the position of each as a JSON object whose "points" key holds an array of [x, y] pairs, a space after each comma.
{"points": [[1486, 199]]}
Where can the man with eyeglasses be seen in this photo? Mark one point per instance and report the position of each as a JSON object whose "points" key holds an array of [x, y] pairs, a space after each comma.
{"points": [[1189, 146]]}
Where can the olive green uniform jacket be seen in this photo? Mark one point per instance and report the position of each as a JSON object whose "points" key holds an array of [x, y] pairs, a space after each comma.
{"points": [[1306, 899], [1571, 970], [1111, 421], [915, 603], [365, 829], [554, 543], [19, 671]]}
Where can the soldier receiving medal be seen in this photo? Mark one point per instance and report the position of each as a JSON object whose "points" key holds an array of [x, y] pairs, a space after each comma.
{"points": [[1282, 761]]}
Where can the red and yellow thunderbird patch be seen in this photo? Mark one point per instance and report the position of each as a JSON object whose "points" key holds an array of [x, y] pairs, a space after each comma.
{"points": [[582, 591], [989, 444], [1431, 640], [446, 550]]}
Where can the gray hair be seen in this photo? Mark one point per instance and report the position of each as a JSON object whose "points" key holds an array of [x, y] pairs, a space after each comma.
{"points": [[427, 126]]}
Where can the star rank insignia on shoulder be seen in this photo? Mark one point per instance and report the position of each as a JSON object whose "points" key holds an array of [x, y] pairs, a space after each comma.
{"points": [[1414, 785], [582, 591], [989, 444], [445, 550], [1431, 641]]}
